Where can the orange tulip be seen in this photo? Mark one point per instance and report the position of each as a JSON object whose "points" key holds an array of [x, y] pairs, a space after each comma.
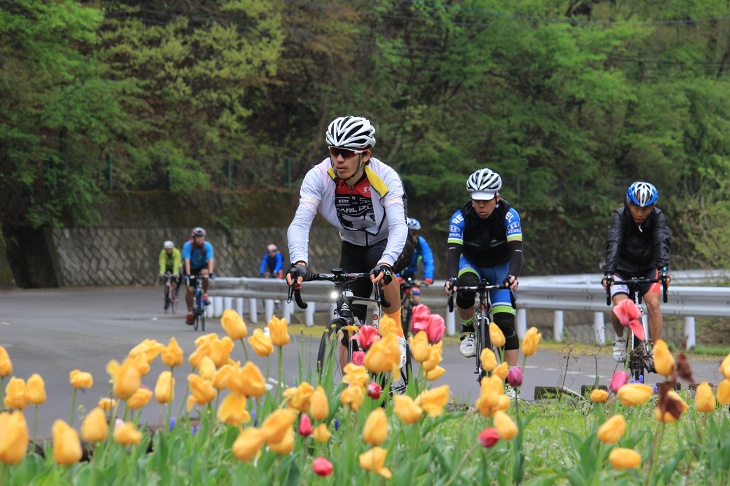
{"points": [[599, 396], [319, 405], [14, 437], [435, 373], [420, 348], [248, 444], [387, 325], [66, 444], [491, 388], [278, 331], [612, 429], [488, 359], [94, 427], [405, 408], [433, 401], [321, 433], [668, 418], [81, 379], [202, 390], [172, 354], [724, 367], [277, 424], [223, 375], [165, 388], [621, 458], [15, 394], [250, 380], [127, 380], [107, 404], [127, 434], [261, 343], [220, 350], [140, 398], [207, 369], [149, 348], [36, 390], [434, 358], [506, 427], [299, 397], [286, 444], [530, 342], [233, 411], [723, 392], [356, 374], [233, 325], [634, 394], [375, 431], [203, 350], [704, 398], [374, 460], [353, 396], [502, 371], [6, 366], [496, 335], [663, 360], [383, 355]]}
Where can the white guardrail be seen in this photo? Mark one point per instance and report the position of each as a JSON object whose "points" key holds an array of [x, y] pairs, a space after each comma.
{"points": [[557, 293]]}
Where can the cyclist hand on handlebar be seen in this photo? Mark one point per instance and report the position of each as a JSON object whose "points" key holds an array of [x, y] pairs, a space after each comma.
{"points": [[664, 276], [296, 274], [451, 285], [607, 280], [511, 282], [381, 272]]}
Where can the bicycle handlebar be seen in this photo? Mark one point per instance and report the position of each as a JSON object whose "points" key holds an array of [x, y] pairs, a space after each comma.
{"points": [[481, 287], [337, 277], [632, 283]]}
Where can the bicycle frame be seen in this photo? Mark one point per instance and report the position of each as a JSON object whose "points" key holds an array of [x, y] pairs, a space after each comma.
{"points": [[198, 301], [406, 303]]}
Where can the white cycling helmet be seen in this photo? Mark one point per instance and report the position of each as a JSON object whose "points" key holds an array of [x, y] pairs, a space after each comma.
{"points": [[352, 132], [642, 194], [168, 245], [271, 248], [414, 224], [484, 184]]}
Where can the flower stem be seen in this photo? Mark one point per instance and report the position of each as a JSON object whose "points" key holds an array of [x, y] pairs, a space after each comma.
{"points": [[468, 455], [245, 351], [655, 451], [73, 407], [35, 425], [279, 380]]}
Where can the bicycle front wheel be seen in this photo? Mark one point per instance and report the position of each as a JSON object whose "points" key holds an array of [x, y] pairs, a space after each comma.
{"points": [[482, 342], [328, 364], [172, 297], [167, 297], [202, 320]]}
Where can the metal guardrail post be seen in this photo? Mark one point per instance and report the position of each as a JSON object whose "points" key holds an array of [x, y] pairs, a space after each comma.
{"points": [[252, 310], [269, 309], [309, 314], [521, 323], [450, 322], [558, 319], [689, 332], [599, 328]]}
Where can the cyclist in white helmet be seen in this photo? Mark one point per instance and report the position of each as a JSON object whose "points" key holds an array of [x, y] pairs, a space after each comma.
{"points": [[272, 265], [364, 199], [170, 260], [485, 242], [638, 242]]}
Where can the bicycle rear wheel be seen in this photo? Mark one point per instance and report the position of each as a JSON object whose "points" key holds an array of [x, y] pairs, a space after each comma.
{"points": [[172, 297], [482, 342], [637, 355], [405, 316]]}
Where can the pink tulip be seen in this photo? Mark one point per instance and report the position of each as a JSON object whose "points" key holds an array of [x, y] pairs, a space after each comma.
{"points": [[305, 426], [629, 315], [358, 358], [436, 328], [620, 378], [514, 376], [322, 467], [366, 336], [419, 316], [488, 437], [374, 390]]}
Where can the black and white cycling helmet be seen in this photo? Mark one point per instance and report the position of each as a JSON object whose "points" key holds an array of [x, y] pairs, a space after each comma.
{"points": [[352, 132], [414, 224], [168, 245], [642, 194], [198, 231], [484, 184]]}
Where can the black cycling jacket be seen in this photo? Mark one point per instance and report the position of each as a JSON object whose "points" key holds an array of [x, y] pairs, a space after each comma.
{"points": [[632, 249]]}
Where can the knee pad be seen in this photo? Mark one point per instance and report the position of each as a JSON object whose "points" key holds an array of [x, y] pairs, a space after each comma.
{"points": [[466, 299], [506, 323]]}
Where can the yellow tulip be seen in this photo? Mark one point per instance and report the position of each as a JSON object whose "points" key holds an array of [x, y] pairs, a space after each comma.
{"points": [[506, 427], [149, 348], [321, 433], [723, 392], [205, 338], [127, 380], [139, 361], [434, 358], [15, 394], [127, 434], [220, 350], [248, 444], [81, 379], [374, 460], [405, 408], [165, 388], [299, 397], [663, 360], [633, 394], [387, 325], [277, 424], [383, 355], [232, 410], [286, 444], [353, 396], [319, 405], [66, 444], [248, 381], [496, 335], [530, 342], [223, 375], [202, 390], [233, 325], [207, 369], [94, 427], [599, 396], [488, 359], [501, 371], [420, 348], [612, 429], [356, 374], [196, 357], [14, 437], [704, 398], [433, 401], [724, 367], [36, 390], [503, 403], [278, 331], [621, 458], [190, 404], [172, 354], [435, 373], [261, 343], [491, 388], [140, 398], [6, 366], [375, 431], [107, 404]]}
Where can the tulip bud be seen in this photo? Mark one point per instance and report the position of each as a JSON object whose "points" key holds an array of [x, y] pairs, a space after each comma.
{"points": [[66, 444], [505, 426], [358, 358], [6, 366], [322, 467], [704, 398], [663, 360], [94, 428], [374, 390], [612, 429], [14, 437], [36, 390], [321, 434], [172, 355], [165, 388], [621, 458], [127, 434], [15, 394], [305, 426], [723, 392], [319, 405], [248, 443], [140, 398], [405, 408], [488, 437], [599, 396], [81, 379], [375, 431], [514, 376], [233, 325], [620, 378]]}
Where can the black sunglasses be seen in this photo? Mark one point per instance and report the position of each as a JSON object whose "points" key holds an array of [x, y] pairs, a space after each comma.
{"points": [[345, 153]]}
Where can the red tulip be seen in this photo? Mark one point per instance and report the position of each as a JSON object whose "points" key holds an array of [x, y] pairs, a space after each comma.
{"points": [[436, 328], [620, 378], [358, 357], [374, 390], [488, 437], [322, 466], [366, 336], [305, 425]]}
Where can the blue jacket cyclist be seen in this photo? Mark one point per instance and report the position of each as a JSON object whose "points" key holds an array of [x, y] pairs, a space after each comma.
{"points": [[198, 259]]}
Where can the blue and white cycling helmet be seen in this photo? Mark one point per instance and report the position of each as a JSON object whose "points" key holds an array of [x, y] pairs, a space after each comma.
{"points": [[414, 224], [642, 194], [352, 132]]}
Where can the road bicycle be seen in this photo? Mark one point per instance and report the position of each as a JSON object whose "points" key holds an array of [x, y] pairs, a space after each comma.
{"points": [[170, 291], [407, 303], [482, 318], [345, 325], [639, 352], [199, 303]]}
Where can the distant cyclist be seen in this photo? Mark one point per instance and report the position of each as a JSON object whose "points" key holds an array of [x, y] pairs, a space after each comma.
{"points": [[198, 258], [421, 255], [171, 262], [638, 242], [272, 265], [485, 241]]}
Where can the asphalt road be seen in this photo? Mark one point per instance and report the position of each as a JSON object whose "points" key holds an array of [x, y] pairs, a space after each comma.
{"points": [[52, 332]]}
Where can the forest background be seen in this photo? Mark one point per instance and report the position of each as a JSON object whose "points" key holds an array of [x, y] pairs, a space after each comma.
{"points": [[570, 101]]}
